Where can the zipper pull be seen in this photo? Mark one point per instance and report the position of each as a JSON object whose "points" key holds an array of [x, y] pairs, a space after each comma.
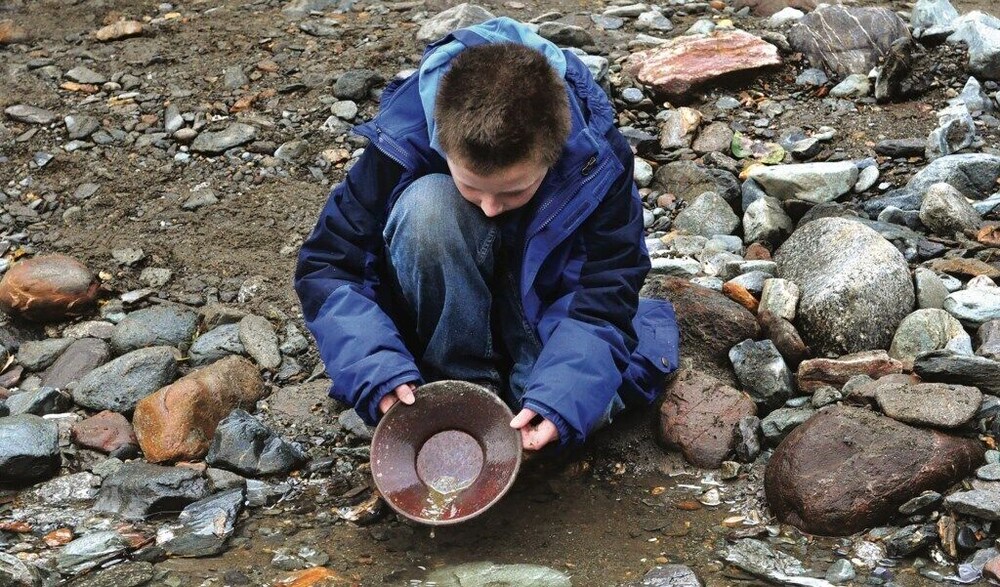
{"points": [[589, 165]]}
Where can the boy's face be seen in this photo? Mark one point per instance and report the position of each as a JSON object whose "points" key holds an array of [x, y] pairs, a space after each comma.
{"points": [[505, 190]]}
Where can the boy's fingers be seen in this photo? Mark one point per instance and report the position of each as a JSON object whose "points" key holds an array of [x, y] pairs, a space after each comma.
{"points": [[536, 437], [522, 419], [386, 402], [405, 393]]}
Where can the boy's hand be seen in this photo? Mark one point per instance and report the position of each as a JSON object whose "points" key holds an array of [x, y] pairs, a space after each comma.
{"points": [[534, 436], [403, 393]]}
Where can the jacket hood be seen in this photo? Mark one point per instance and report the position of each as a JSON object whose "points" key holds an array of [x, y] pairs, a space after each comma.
{"points": [[498, 30]]}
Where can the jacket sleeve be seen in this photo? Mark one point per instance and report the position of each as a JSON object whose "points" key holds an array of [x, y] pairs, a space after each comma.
{"points": [[588, 333], [336, 280]]}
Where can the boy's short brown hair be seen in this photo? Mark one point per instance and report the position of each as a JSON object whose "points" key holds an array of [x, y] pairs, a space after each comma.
{"points": [[500, 104]]}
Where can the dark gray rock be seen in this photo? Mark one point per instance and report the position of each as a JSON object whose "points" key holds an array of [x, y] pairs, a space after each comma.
{"points": [[42, 401], [36, 355], [82, 357], [81, 127], [164, 325], [901, 148], [17, 573], [924, 500], [903, 199], [244, 445], [30, 114], [204, 527], [119, 385], [218, 343], [974, 175], [845, 40], [565, 35], [687, 180], [89, 551], [29, 449], [138, 489], [910, 540], [891, 82], [779, 423], [981, 503], [352, 422], [763, 373], [356, 84], [758, 558], [129, 574], [216, 142], [947, 367]]}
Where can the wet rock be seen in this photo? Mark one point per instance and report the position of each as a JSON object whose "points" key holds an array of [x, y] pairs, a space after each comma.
{"points": [[218, 343], [89, 551], [217, 142], [855, 286], [42, 401], [106, 431], [356, 84], [119, 385], [816, 373], [203, 527], [130, 574], [931, 291], [811, 182], [947, 367], [137, 490], [765, 221], [14, 571], [989, 340], [48, 287], [779, 423], [699, 416], [981, 503], [121, 29], [710, 323], [974, 175], [30, 114], [847, 469], [668, 576], [841, 571], [178, 422], [29, 449], [676, 66], [487, 573], [955, 131], [910, 539], [845, 40], [929, 330], [456, 17], [974, 307], [260, 341], [747, 435], [922, 501], [244, 445], [707, 216], [163, 325], [687, 180], [38, 354], [762, 372], [759, 559], [930, 404], [80, 358]]}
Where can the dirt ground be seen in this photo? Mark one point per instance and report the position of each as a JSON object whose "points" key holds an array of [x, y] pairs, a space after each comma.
{"points": [[605, 518]]}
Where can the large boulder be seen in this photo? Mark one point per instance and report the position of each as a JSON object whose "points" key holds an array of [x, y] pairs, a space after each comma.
{"points": [[673, 68], [48, 287], [177, 422], [699, 415], [855, 286], [845, 40], [848, 469], [710, 323], [812, 182]]}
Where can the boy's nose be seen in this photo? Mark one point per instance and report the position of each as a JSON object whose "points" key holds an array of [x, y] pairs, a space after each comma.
{"points": [[491, 207]]}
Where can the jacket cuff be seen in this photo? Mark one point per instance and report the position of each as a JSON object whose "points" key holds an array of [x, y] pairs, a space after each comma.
{"points": [[567, 436], [368, 409]]}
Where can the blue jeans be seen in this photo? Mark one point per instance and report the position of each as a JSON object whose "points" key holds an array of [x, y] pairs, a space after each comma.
{"points": [[464, 318]]}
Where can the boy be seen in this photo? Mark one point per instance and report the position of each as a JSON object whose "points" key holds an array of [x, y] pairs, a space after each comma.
{"points": [[491, 232]]}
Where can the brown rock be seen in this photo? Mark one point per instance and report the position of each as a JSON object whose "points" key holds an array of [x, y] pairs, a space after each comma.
{"points": [[867, 392], [48, 287], [699, 416], [845, 40], [847, 469], [10, 33], [784, 336], [816, 373], [989, 340], [106, 432], [710, 323], [757, 252], [118, 30], [989, 236], [741, 296], [967, 268], [938, 405], [177, 422], [675, 67], [992, 568], [82, 357], [769, 7]]}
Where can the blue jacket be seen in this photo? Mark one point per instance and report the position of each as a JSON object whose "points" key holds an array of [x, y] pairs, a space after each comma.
{"points": [[584, 256]]}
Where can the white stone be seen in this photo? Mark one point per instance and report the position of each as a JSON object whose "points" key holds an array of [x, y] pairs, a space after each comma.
{"points": [[785, 16], [675, 267], [780, 297], [642, 172], [812, 182], [974, 307]]}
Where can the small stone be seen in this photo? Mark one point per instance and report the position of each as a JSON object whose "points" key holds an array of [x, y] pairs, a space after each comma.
{"points": [[765, 221], [218, 343], [203, 527], [234, 135], [89, 551], [780, 297], [48, 287], [707, 216], [30, 114], [356, 84], [119, 30], [42, 401], [138, 490], [946, 211], [812, 182], [120, 384], [948, 367], [931, 291], [929, 330], [930, 404], [816, 373], [779, 423], [81, 127], [974, 307], [853, 86], [107, 432], [85, 75], [80, 358], [162, 325], [37, 355], [763, 372], [270, 454], [260, 341], [866, 179], [456, 17], [924, 500], [841, 571]]}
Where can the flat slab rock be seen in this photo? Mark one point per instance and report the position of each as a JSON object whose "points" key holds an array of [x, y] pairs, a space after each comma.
{"points": [[816, 373], [961, 369], [138, 490], [930, 404], [848, 469]]}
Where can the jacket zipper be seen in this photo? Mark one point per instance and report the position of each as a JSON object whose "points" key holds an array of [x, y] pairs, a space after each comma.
{"points": [[385, 147], [548, 220]]}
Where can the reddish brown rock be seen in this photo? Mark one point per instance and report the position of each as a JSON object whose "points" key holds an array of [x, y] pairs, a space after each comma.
{"points": [[769, 7], [177, 422], [106, 432], [710, 323], [784, 336], [847, 469], [989, 236], [699, 416], [741, 296], [816, 373], [682, 63], [48, 287], [992, 568], [82, 357], [11, 33], [757, 252], [967, 268]]}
